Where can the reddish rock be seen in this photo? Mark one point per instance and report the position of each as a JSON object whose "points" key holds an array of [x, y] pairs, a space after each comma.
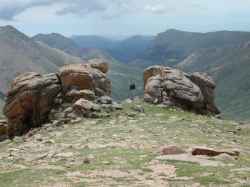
{"points": [[212, 153], [30, 100], [172, 150]]}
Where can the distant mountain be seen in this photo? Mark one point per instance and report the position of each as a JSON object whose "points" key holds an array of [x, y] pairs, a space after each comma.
{"points": [[172, 46], [19, 53], [96, 42], [131, 48], [59, 41], [123, 50], [225, 55]]}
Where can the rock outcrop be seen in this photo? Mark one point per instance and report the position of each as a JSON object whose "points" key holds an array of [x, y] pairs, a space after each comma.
{"points": [[30, 100], [74, 92], [165, 85], [86, 76]]}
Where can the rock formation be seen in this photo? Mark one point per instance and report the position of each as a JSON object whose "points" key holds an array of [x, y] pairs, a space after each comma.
{"points": [[165, 85], [35, 99], [30, 100], [86, 76]]}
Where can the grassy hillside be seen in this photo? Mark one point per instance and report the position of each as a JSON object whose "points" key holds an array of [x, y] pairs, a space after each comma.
{"points": [[125, 150]]}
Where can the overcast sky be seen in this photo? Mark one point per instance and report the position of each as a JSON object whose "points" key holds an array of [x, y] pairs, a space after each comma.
{"points": [[124, 17]]}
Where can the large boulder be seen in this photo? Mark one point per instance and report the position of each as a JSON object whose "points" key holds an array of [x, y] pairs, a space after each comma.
{"points": [[30, 100], [86, 77], [172, 86]]}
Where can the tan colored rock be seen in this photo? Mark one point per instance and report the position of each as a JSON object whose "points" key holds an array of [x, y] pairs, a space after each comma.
{"points": [[151, 72], [99, 64], [85, 77], [176, 88]]}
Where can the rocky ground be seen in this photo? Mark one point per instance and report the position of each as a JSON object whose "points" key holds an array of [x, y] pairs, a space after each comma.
{"points": [[129, 148]]}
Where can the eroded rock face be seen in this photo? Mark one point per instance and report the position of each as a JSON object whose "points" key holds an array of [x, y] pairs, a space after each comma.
{"points": [[171, 86], [86, 77], [30, 100]]}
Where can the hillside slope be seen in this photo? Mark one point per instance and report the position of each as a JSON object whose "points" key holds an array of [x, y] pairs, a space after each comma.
{"points": [[59, 41], [176, 45], [126, 150]]}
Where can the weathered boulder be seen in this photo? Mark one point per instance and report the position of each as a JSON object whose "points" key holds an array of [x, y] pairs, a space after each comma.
{"points": [[167, 85], [30, 100], [85, 76]]}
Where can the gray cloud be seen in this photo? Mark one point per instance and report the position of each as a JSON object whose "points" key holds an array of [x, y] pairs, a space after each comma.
{"points": [[9, 9], [108, 8]]}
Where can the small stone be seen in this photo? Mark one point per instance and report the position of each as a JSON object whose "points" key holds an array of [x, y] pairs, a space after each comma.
{"points": [[117, 106], [138, 108], [106, 162], [105, 100], [132, 115], [77, 120], [86, 161]]}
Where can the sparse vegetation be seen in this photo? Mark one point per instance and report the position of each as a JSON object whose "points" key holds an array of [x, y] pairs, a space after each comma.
{"points": [[124, 150]]}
